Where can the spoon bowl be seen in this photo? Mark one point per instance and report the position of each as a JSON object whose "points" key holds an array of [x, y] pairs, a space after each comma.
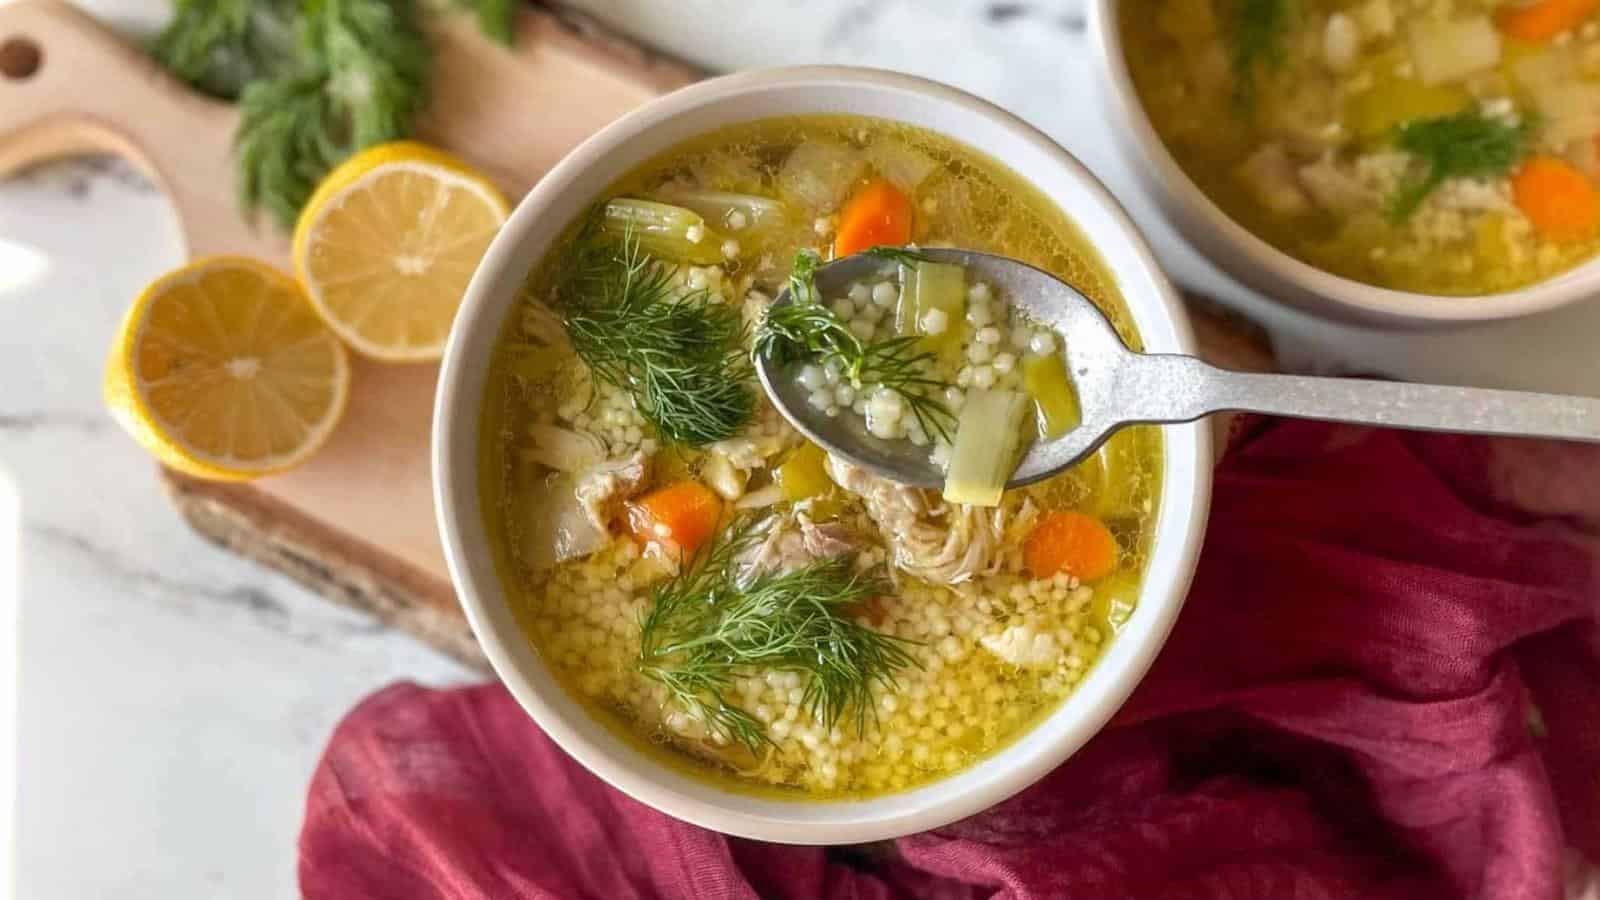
{"points": [[1094, 346], [1117, 386]]}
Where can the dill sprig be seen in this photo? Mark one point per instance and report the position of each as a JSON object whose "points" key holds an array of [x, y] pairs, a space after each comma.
{"points": [[316, 80], [705, 627], [807, 331], [1259, 29], [219, 46], [1465, 145], [679, 356], [901, 255]]}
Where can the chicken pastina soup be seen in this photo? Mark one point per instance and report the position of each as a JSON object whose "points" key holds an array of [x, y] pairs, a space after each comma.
{"points": [[718, 590], [1438, 146]]}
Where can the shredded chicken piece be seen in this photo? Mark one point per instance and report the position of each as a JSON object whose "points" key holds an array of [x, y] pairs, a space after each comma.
{"points": [[793, 540], [748, 452], [1024, 646], [542, 324], [563, 449], [944, 543], [604, 487], [1268, 174]]}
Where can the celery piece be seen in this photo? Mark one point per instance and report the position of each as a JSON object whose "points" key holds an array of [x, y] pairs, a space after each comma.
{"points": [[803, 474], [928, 286], [942, 287], [1115, 599], [1121, 476], [907, 310], [1376, 112], [664, 230], [730, 212], [1054, 397], [988, 443]]}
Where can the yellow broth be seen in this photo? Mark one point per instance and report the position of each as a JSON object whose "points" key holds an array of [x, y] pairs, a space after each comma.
{"points": [[965, 701]]}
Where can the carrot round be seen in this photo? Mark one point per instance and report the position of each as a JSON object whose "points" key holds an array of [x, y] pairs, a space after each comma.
{"points": [[879, 215], [1070, 542], [1558, 199], [1541, 20], [681, 515]]}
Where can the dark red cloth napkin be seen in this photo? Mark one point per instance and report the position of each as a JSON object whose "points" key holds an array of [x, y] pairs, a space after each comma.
{"points": [[1386, 683]]}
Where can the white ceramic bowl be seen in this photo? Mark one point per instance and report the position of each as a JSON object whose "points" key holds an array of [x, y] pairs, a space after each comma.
{"points": [[1265, 268], [571, 188]]}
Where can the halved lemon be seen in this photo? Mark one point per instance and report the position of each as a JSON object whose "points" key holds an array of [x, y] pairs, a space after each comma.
{"points": [[223, 370], [388, 242]]}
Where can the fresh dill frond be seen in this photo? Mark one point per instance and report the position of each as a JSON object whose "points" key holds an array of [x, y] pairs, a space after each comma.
{"points": [[901, 255], [807, 331], [705, 627], [220, 46], [280, 153], [900, 364], [1259, 30], [1465, 145], [497, 18], [361, 79], [678, 355], [316, 80]]}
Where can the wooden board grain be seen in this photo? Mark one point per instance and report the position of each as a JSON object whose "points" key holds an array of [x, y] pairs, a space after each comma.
{"points": [[356, 522]]}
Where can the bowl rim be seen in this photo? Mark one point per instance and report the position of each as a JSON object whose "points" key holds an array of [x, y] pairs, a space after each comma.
{"points": [[1188, 455], [1162, 175]]}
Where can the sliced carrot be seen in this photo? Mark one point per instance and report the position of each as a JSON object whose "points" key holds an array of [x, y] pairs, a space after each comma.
{"points": [[879, 215], [1558, 199], [1541, 20], [1070, 542], [679, 516]]}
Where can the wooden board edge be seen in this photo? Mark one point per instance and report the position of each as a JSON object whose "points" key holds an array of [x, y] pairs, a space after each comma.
{"points": [[247, 522], [1227, 339]]}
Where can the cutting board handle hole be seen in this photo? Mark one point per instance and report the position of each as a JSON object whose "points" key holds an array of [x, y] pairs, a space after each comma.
{"points": [[20, 58]]}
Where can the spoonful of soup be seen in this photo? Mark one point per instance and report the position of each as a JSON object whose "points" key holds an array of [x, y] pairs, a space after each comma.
{"points": [[973, 373]]}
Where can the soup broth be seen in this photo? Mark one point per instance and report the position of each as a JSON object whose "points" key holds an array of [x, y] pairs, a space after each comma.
{"points": [[720, 591]]}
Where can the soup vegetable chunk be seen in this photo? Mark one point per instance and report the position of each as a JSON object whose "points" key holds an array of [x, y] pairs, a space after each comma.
{"points": [[727, 595], [1441, 146]]}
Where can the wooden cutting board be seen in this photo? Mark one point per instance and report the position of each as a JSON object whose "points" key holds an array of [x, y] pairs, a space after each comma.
{"points": [[355, 523]]}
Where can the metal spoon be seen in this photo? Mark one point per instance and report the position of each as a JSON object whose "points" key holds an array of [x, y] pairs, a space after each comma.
{"points": [[1119, 387]]}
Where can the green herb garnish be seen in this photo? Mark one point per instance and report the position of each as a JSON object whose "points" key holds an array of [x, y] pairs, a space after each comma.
{"points": [[807, 331], [904, 257], [707, 626], [361, 80], [679, 356], [317, 80], [220, 46], [1259, 30], [1465, 145]]}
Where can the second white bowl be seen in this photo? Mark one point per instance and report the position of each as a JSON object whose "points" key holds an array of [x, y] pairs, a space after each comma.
{"points": [[1264, 267]]}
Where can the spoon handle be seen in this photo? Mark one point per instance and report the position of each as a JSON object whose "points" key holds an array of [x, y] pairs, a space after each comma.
{"points": [[1181, 388]]}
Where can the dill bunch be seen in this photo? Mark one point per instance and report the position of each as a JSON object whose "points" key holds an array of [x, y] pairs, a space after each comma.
{"points": [[1465, 145], [1259, 30], [808, 331], [680, 357], [705, 627], [316, 81]]}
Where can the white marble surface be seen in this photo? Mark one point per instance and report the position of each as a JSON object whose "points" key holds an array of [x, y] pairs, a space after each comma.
{"points": [[172, 699]]}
